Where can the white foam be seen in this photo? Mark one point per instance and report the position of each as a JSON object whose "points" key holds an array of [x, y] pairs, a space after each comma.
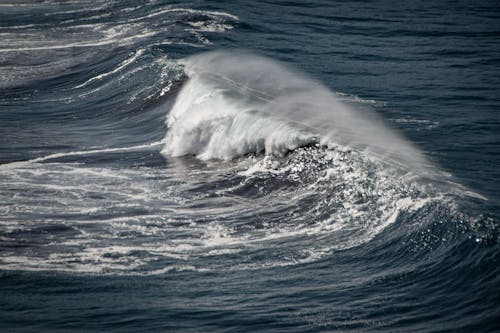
{"points": [[83, 44], [80, 153], [193, 11], [208, 122], [124, 64]]}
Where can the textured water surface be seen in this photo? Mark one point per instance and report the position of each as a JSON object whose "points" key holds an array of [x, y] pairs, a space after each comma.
{"points": [[249, 166]]}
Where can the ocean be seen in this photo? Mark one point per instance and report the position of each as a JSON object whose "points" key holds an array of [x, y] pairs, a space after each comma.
{"points": [[249, 166]]}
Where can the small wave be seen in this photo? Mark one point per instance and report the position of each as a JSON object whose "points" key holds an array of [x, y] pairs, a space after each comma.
{"points": [[124, 64], [93, 46], [80, 153], [194, 11]]}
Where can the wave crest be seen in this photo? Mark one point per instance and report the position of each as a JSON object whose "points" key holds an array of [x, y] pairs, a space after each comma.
{"points": [[215, 122], [237, 103]]}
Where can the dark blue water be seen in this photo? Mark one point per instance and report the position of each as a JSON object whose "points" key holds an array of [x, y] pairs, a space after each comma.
{"points": [[333, 166]]}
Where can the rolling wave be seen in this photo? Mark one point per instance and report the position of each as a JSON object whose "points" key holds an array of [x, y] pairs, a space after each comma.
{"points": [[280, 160]]}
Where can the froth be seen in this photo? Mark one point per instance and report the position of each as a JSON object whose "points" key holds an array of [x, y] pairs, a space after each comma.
{"points": [[210, 120]]}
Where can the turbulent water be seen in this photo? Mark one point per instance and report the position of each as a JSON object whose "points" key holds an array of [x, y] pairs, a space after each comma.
{"points": [[249, 166]]}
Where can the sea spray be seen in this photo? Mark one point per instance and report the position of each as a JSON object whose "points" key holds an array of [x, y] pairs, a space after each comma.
{"points": [[236, 103]]}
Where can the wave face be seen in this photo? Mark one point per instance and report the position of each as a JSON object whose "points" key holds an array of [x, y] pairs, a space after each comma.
{"points": [[151, 183]]}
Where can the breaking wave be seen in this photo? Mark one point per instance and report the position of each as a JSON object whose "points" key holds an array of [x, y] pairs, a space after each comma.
{"points": [[237, 103]]}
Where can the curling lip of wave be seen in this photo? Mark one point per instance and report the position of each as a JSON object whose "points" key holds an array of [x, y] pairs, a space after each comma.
{"points": [[236, 103]]}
